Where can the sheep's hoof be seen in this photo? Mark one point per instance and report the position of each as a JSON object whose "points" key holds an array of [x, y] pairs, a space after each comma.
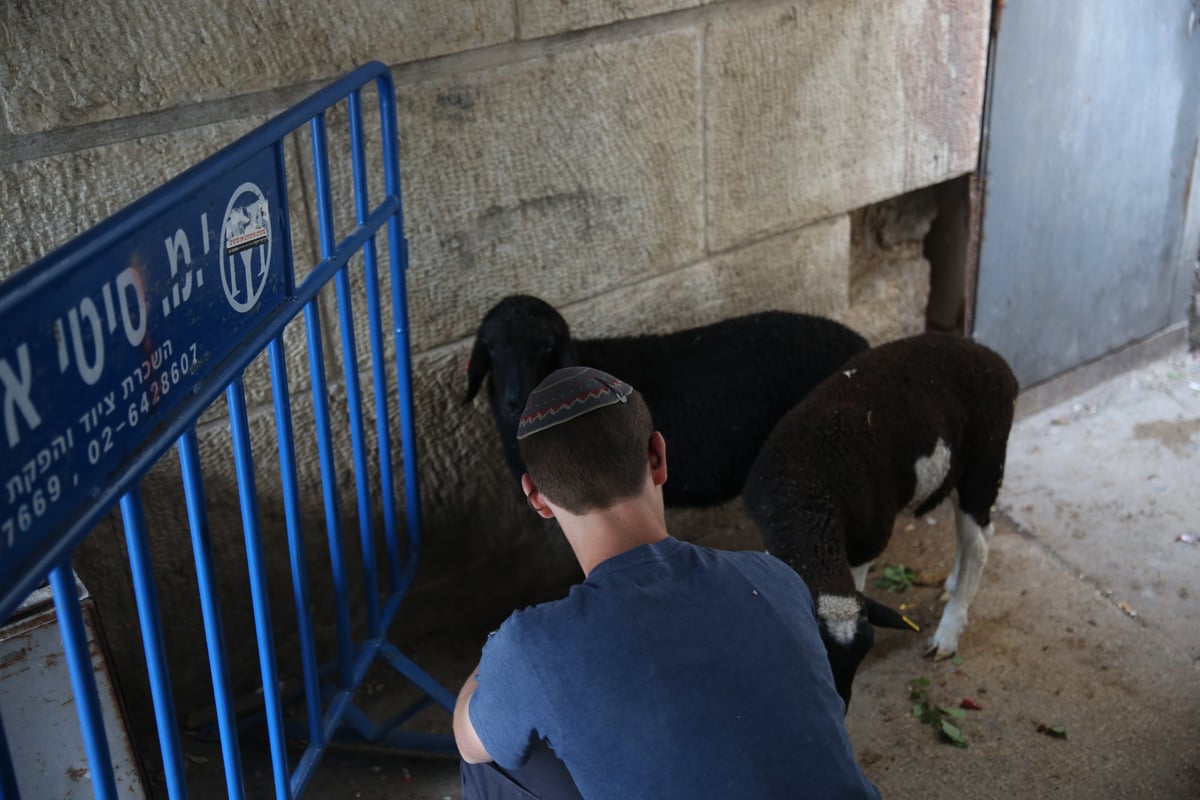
{"points": [[938, 652]]}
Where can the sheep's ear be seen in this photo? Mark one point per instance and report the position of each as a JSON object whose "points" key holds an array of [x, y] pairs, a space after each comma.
{"points": [[477, 367], [882, 616]]}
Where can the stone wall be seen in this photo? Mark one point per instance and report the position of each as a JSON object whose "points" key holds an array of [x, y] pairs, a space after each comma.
{"points": [[644, 165]]}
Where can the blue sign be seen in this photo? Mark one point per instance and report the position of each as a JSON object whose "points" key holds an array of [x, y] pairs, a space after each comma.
{"points": [[92, 365]]}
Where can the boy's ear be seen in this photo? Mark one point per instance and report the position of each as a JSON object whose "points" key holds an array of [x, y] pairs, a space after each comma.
{"points": [[658, 458], [534, 497]]}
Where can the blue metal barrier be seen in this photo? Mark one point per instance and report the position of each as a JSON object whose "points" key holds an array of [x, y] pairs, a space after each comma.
{"points": [[111, 349]]}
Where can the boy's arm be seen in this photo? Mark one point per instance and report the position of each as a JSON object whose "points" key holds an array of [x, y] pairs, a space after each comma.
{"points": [[469, 746]]}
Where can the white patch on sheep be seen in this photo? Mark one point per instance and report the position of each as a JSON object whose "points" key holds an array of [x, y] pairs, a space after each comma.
{"points": [[840, 615], [860, 575], [931, 472]]}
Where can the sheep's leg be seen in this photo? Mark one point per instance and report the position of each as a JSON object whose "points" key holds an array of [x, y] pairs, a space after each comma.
{"points": [[952, 579], [860, 575], [971, 555]]}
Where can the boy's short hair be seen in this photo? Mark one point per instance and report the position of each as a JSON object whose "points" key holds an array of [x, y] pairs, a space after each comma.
{"points": [[585, 439]]}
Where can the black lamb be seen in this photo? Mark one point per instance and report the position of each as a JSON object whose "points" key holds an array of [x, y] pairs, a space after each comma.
{"points": [[715, 391], [903, 425]]}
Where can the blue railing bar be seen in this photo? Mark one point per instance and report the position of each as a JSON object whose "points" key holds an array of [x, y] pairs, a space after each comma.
{"points": [[8, 775], [307, 764], [357, 444], [291, 508], [358, 449], [350, 244], [329, 488], [379, 376], [146, 595], [325, 228], [320, 151], [56, 548], [338, 702], [408, 433], [409, 669], [83, 681], [398, 251], [214, 634], [235, 398], [285, 220], [391, 606], [378, 364], [357, 158], [126, 223]]}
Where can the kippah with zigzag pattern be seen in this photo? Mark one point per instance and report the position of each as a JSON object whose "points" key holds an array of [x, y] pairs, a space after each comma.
{"points": [[568, 393]]}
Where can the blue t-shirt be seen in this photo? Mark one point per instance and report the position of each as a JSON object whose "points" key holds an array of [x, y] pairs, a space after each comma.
{"points": [[673, 671]]}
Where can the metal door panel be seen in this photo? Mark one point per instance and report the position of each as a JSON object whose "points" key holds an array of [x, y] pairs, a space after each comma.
{"points": [[1090, 150]]}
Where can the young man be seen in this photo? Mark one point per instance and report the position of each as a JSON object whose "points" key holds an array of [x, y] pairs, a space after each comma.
{"points": [[672, 671]]}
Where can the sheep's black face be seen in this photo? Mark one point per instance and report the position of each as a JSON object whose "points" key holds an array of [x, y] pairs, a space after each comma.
{"points": [[520, 341], [847, 634], [529, 351], [844, 658]]}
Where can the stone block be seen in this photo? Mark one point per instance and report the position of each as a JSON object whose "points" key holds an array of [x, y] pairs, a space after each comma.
{"points": [[51, 200], [565, 176], [805, 270], [819, 107], [682, 299], [67, 64], [545, 17], [889, 302], [889, 275]]}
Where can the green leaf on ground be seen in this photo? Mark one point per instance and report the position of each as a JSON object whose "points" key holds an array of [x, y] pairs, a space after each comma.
{"points": [[932, 713], [952, 733], [1057, 731], [896, 578]]}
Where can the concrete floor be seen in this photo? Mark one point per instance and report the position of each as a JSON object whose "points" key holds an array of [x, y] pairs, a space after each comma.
{"points": [[1088, 616], [1088, 619]]}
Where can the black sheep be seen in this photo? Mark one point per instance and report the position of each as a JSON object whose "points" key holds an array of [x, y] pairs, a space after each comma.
{"points": [[715, 391], [902, 425]]}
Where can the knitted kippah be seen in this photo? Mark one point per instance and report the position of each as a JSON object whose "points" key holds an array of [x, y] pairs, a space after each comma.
{"points": [[568, 393]]}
